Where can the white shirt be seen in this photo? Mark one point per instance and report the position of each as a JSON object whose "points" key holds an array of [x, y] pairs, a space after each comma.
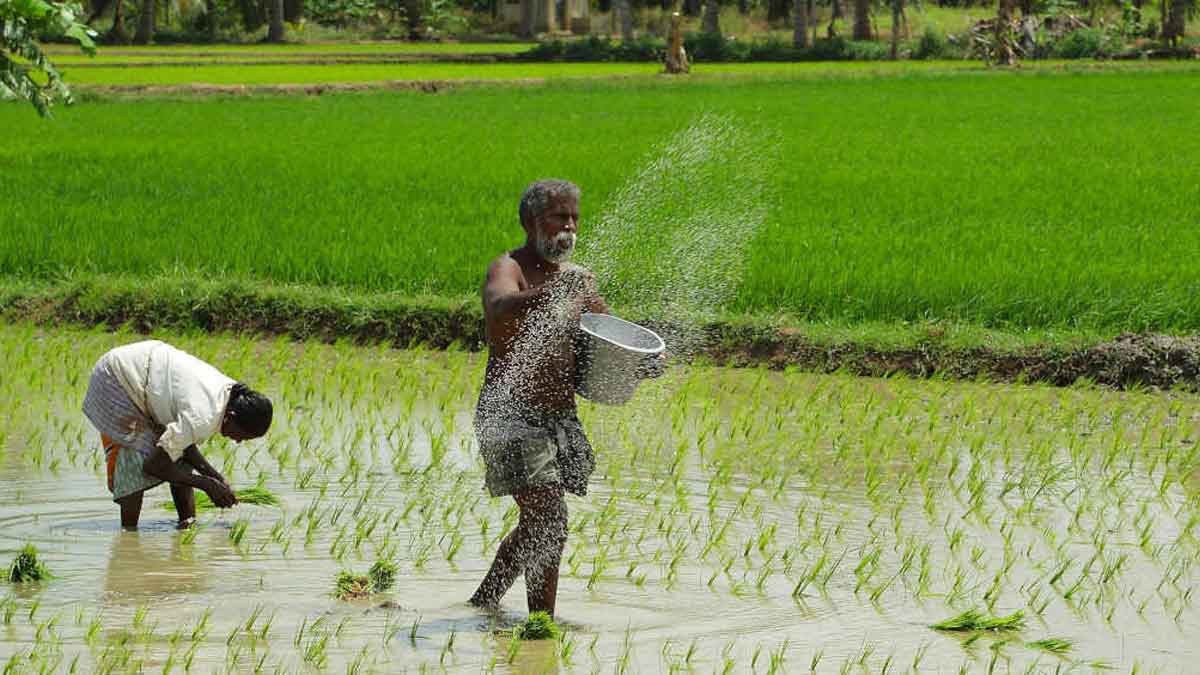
{"points": [[175, 389]]}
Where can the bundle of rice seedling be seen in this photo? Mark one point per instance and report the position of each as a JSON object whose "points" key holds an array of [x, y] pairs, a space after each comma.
{"points": [[26, 567], [380, 578], [349, 586], [974, 620], [382, 575], [257, 496], [539, 626]]}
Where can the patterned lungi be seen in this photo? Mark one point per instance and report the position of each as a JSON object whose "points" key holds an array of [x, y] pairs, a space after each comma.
{"points": [[525, 448]]}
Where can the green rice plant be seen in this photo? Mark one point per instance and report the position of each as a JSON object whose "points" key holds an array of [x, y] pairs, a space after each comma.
{"points": [[382, 575], [1052, 645], [537, 626], [26, 567], [975, 620], [257, 496], [348, 586]]}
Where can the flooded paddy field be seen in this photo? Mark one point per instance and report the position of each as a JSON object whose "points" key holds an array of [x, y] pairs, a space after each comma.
{"points": [[738, 521]]}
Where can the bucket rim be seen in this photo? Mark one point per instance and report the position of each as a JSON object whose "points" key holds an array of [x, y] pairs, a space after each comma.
{"points": [[662, 345]]}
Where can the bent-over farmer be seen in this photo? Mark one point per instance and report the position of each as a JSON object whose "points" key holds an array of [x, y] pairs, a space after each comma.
{"points": [[532, 443], [153, 404]]}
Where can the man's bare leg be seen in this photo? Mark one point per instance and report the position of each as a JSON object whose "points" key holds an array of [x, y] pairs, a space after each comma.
{"points": [[539, 537], [184, 497], [548, 528], [131, 510]]}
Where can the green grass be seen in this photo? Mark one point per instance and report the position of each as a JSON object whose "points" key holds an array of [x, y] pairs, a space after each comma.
{"points": [[1018, 201]]}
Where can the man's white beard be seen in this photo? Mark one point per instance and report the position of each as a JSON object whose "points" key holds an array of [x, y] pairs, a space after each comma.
{"points": [[557, 250]]}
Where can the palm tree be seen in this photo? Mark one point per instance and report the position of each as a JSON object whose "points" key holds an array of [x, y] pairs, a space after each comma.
{"points": [[897, 18], [862, 20], [145, 29], [1004, 53], [712, 17], [1175, 19], [800, 21], [626, 20], [275, 31]]}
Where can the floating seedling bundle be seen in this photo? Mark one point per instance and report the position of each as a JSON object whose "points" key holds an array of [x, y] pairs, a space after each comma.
{"points": [[26, 567]]}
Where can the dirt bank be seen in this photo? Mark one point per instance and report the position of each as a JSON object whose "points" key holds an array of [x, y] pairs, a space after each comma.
{"points": [[176, 303]]}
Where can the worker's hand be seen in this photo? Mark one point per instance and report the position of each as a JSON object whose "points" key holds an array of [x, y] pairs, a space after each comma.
{"points": [[220, 493], [652, 366]]}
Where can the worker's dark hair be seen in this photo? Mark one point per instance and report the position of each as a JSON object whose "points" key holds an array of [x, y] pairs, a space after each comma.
{"points": [[251, 410]]}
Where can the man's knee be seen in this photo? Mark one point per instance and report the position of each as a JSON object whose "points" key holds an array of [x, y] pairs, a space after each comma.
{"points": [[544, 516]]}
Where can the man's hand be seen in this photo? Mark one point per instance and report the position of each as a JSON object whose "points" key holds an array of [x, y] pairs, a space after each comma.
{"points": [[219, 492]]}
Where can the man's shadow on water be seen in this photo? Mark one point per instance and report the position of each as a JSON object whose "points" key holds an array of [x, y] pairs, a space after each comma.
{"points": [[153, 564]]}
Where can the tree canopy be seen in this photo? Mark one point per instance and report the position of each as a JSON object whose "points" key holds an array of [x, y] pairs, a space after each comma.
{"points": [[25, 71]]}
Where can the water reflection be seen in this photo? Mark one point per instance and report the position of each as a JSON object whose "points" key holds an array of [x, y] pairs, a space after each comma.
{"points": [[150, 566]]}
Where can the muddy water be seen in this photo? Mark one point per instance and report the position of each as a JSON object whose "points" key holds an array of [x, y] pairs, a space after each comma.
{"points": [[717, 494]]}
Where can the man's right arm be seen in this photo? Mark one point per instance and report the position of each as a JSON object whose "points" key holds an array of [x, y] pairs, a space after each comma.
{"points": [[160, 465], [502, 294]]}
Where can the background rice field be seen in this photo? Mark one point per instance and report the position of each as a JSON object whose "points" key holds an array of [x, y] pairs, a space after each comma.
{"points": [[1005, 200], [738, 521]]}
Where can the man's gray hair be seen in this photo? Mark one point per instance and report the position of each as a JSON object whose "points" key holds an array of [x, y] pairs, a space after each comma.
{"points": [[539, 195]]}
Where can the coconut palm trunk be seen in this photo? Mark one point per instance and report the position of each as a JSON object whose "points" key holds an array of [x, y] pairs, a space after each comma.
{"points": [[800, 25], [897, 19], [117, 34], [145, 29], [1175, 20], [712, 17], [626, 20], [1004, 50], [275, 30], [862, 20]]}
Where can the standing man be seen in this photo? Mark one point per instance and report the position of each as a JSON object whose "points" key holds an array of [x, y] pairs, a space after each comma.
{"points": [[529, 435], [153, 404]]}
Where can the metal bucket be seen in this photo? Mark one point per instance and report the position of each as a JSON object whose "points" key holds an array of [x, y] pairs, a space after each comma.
{"points": [[609, 353]]}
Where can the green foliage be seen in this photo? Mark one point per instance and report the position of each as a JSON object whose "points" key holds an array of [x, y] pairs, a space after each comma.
{"points": [[339, 13], [598, 49], [932, 44], [706, 48], [25, 71], [1082, 43], [382, 575], [975, 620], [538, 626], [26, 567]]}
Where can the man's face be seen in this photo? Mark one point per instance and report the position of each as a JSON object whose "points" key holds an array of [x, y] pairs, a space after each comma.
{"points": [[555, 232], [231, 430]]}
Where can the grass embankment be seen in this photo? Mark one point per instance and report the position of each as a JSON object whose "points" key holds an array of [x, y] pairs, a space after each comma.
{"points": [[962, 351], [995, 201]]}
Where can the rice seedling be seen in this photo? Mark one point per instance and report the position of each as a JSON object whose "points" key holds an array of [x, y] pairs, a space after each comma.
{"points": [[1052, 645], [26, 567], [975, 620]]}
